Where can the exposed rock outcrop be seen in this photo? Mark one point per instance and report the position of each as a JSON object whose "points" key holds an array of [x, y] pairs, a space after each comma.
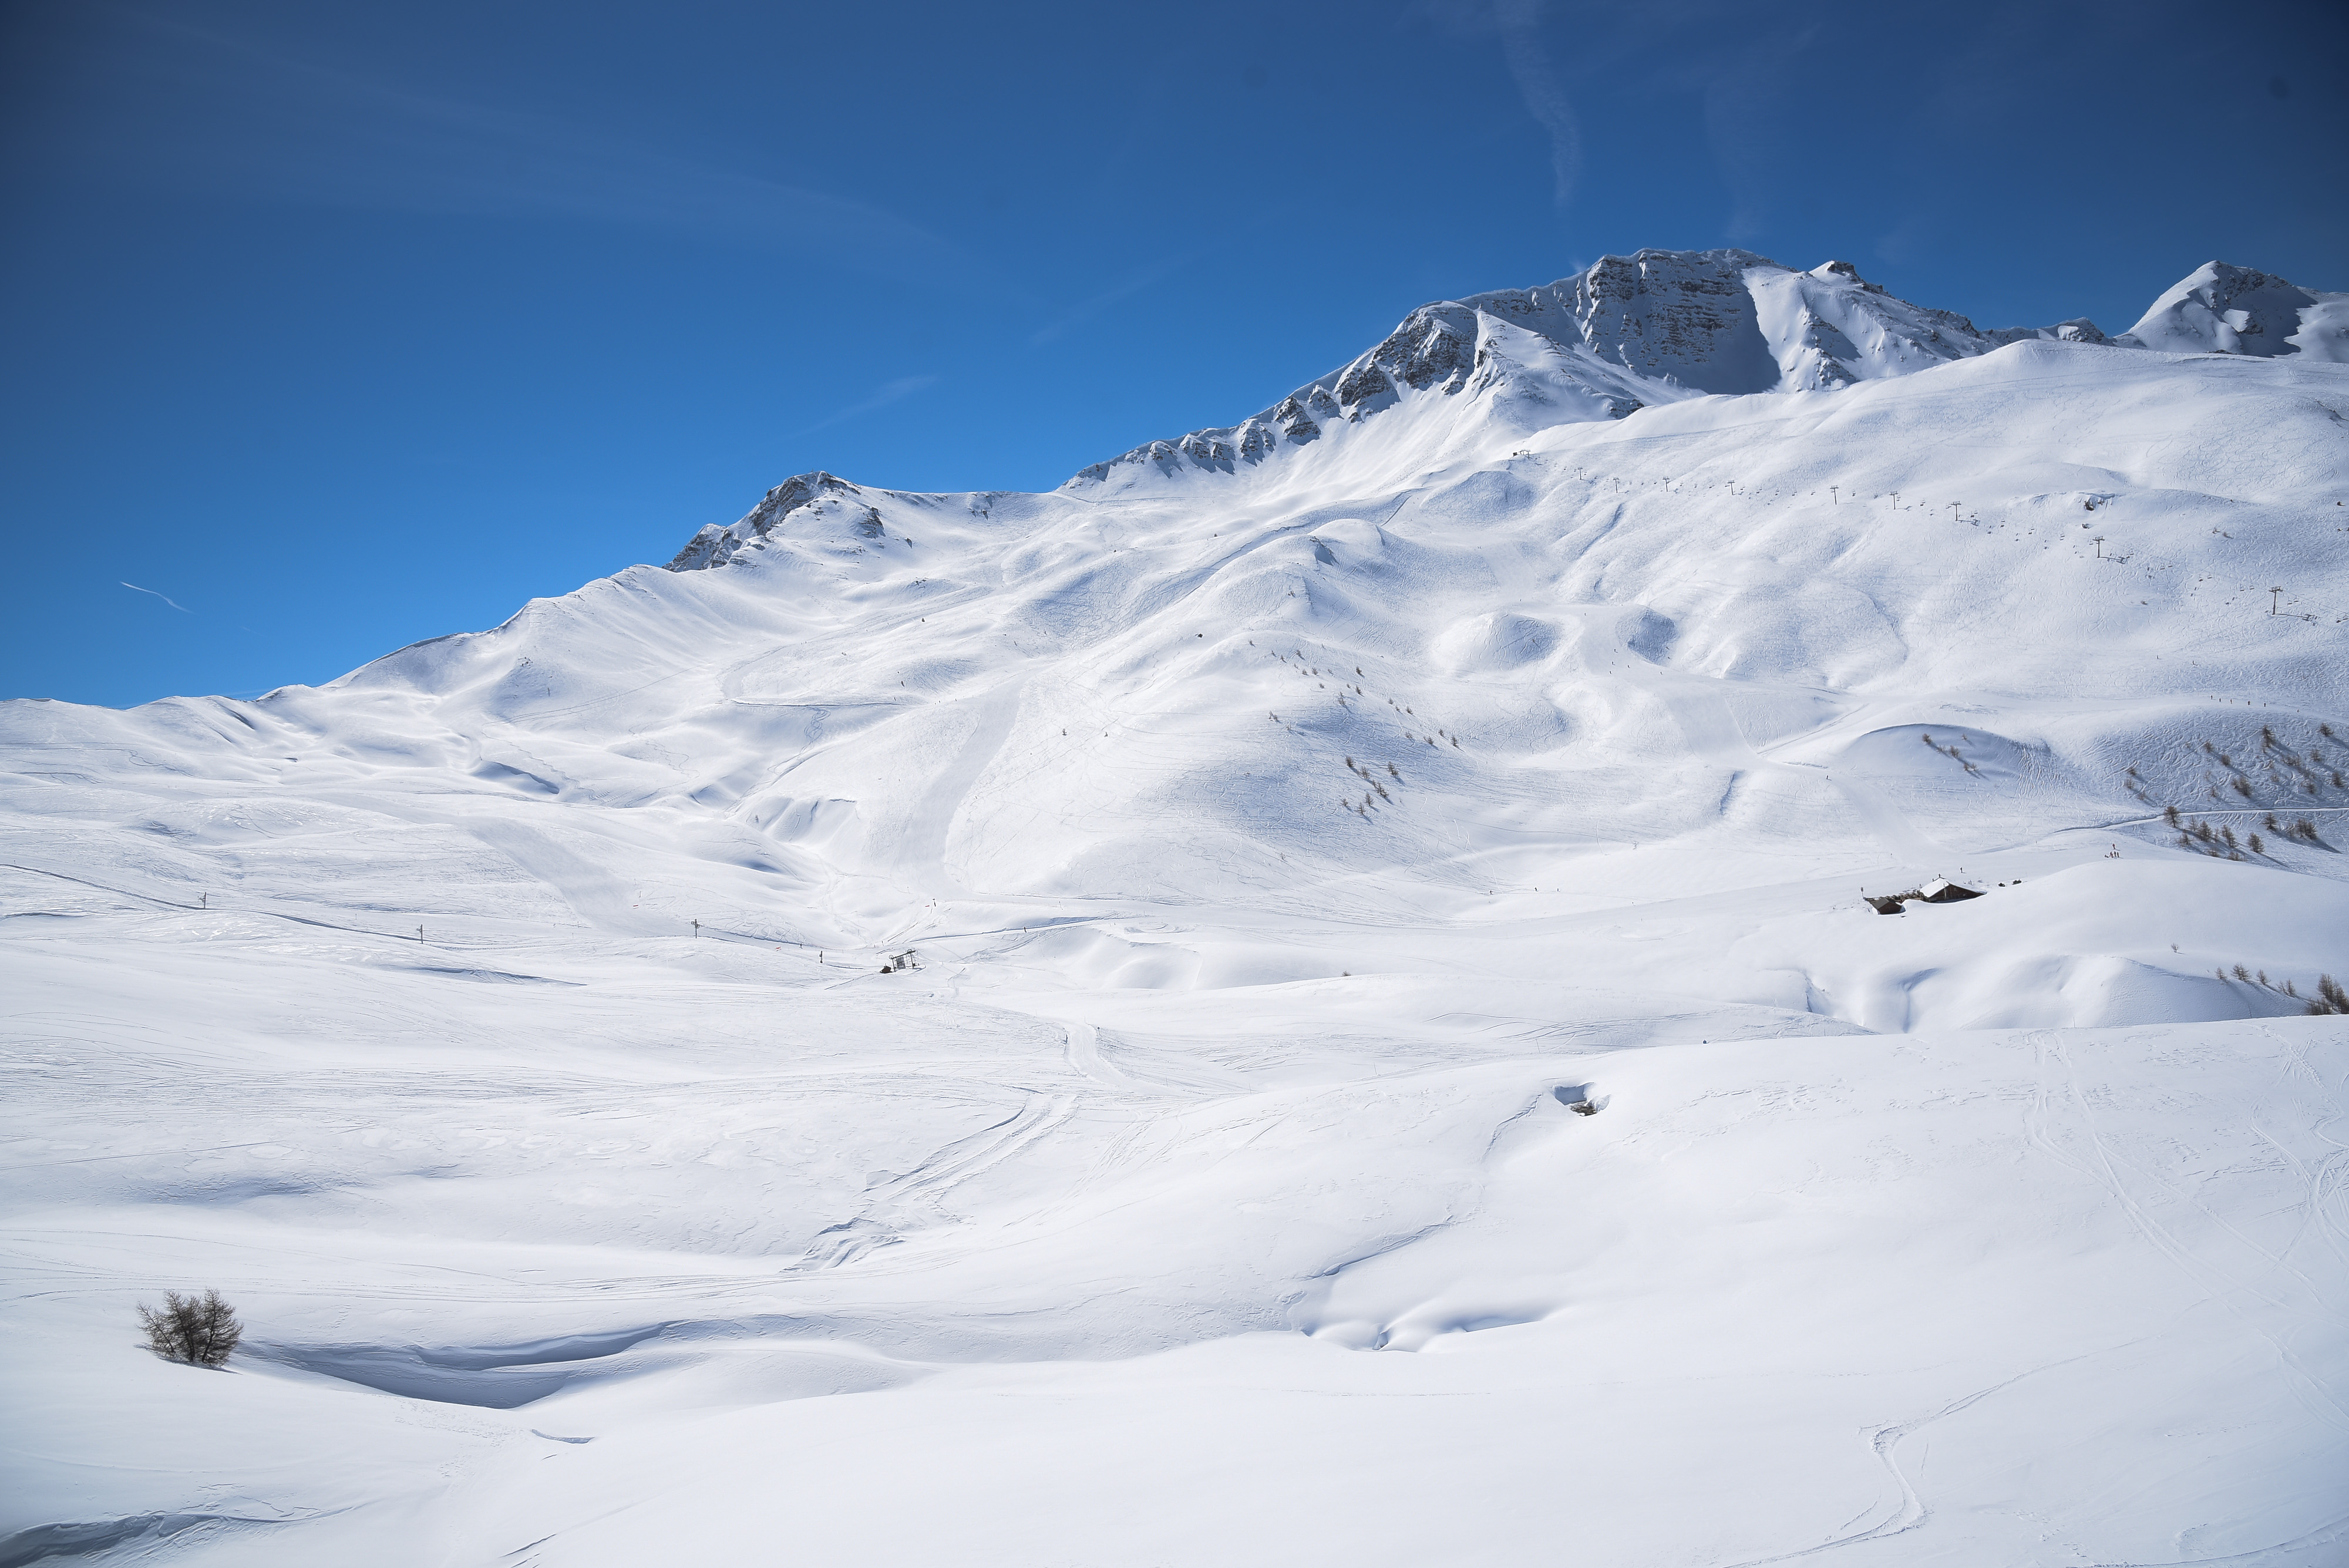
{"points": [[715, 545]]}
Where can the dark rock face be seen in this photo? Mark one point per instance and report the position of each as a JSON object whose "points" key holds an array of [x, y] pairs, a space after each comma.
{"points": [[1429, 348], [1689, 316], [716, 545], [1364, 383]]}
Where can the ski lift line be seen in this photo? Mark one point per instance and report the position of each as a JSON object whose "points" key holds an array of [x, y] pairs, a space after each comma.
{"points": [[401, 936], [205, 909], [717, 933]]}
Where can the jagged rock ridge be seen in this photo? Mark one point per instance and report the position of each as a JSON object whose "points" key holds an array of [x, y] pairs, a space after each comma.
{"points": [[1656, 327], [715, 545], [1653, 326]]}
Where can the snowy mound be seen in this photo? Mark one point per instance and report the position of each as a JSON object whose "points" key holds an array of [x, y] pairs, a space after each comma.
{"points": [[1696, 879]]}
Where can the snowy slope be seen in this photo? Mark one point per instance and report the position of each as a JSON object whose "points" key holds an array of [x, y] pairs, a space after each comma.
{"points": [[1290, 823]]}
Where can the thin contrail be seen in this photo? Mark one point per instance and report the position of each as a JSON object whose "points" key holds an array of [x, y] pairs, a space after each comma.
{"points": [[905, 387], [165, 597], [1545, 96]]}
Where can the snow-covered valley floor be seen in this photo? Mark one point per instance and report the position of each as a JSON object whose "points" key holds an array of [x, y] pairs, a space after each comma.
{"points": [[1395, 1065]]}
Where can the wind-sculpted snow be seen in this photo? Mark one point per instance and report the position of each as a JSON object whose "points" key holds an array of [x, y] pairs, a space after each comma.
{"points": [[1281, 1003]]}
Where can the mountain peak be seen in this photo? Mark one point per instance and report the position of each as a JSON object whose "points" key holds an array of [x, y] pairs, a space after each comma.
{"points": [[715, 545], [1653, 326], [2222, 308]]}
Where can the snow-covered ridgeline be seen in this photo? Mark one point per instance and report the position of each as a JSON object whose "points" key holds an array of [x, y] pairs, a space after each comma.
{"points": [[1659, 326], [1630, 332]]}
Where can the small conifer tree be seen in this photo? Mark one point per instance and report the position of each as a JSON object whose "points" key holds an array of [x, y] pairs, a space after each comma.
{"points": [[2329, 997], [199, 1330]]}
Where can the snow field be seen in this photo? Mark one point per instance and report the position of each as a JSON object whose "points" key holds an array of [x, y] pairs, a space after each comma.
{"points": [[1945, 1297]]}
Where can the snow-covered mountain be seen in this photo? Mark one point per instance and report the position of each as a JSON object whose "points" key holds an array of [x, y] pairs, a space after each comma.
{"points": [[1381, 1009], [1653, 328], [2224, 309]]}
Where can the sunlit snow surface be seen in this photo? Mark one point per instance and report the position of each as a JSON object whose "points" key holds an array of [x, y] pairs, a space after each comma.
{"points": [[1213, 1192]]}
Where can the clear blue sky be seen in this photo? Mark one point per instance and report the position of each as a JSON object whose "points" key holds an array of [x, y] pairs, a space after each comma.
{"points": [[335, 327]]}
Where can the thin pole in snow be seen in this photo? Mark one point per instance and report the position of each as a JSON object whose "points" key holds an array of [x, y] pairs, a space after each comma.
{"points": [[696, 928]]}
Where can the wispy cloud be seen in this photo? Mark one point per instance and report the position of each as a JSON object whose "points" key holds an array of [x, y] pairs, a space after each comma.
{"points": [[165, 597], [264, 122], [1748, 120], [1132, 285], [904, 386], [1544, 93], [1541, 88]]}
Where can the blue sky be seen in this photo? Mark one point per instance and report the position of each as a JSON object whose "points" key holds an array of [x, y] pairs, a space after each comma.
{"points": [[333, 328]]}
